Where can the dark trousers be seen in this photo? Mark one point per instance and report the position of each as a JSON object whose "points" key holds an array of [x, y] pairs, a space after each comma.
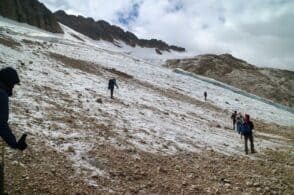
{"points": [[250, 137], [234, 124], [111, 92]]}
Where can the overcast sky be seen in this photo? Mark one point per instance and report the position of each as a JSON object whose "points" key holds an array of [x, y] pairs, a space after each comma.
{"points": [[259, 31]]}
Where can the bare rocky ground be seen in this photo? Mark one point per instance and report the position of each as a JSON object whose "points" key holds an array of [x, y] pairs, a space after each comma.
{"points": [[42, 170]]}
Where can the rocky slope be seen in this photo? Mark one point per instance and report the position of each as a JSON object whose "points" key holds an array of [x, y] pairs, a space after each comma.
{"points": [[30, 11], [274, 84], [103, 30]]}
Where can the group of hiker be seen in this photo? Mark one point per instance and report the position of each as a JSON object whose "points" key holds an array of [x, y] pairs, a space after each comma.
{"points": [[9, 78], [244, 126]]}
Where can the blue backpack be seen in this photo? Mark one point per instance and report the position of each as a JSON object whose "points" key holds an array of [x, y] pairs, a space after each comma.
{"points": [[246, 128]]}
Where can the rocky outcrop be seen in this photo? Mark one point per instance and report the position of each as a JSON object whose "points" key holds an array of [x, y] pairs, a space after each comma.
{"points": [[31, 12], [103, 30], [274, 84]]}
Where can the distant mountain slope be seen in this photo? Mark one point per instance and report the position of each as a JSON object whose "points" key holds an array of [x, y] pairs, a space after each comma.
{"points": [[274, 84], [103, 30], [30, 11]]}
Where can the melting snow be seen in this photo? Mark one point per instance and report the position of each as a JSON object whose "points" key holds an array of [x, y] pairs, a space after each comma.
{"points": [[155, 122]]}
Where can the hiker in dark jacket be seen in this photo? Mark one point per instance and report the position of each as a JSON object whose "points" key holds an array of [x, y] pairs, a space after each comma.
{"points": [[233, 117], [247, 128], [111, 84], [239, 122], [205, 95], [8, 78]]}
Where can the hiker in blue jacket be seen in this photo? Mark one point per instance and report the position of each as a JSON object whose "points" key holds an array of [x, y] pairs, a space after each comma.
{"points": [[8, 78], [246, 130], [111, 84]]}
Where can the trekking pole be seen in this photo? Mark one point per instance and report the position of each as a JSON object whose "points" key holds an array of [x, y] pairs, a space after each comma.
{"points": [[106, 92], [2, 168]]}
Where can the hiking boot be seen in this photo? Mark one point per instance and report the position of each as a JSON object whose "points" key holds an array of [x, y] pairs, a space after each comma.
{"points": [[253, 151]]}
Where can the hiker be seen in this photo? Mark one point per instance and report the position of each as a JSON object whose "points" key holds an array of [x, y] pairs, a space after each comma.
{"points": [[233, 117], [205, 95], [239, 122], [246, 130], [8, 78], [111, 84]]}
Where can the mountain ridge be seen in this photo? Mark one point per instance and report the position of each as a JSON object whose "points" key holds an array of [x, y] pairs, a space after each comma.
{"points": [[103, 30], [37, 14]]}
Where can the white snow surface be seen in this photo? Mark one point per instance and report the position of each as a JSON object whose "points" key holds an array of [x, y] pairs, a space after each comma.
{"points": [[155, 123]]}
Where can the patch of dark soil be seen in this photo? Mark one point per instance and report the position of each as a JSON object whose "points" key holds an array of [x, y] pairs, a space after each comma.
{"points": [[8, 42], [77, 37], [275, 129], [158, 51], [119, 73], [77, 64], [35, 43], [173, 94]]}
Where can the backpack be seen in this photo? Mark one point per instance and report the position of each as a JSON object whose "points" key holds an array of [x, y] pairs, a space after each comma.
{"points": [[111, 83], [246, 128]]}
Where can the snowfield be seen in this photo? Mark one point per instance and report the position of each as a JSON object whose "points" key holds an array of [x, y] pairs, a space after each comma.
{"points": [[63, 100]]}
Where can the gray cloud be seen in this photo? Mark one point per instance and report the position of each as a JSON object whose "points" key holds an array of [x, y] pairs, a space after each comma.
{"points": [[260, 32]]}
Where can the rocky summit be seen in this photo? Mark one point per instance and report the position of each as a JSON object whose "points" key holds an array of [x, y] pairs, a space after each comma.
{"points": [[30, 11]]}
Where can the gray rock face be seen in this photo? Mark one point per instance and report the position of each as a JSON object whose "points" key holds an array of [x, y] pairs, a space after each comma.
{"points": [[103, 30], [31, 12]]}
